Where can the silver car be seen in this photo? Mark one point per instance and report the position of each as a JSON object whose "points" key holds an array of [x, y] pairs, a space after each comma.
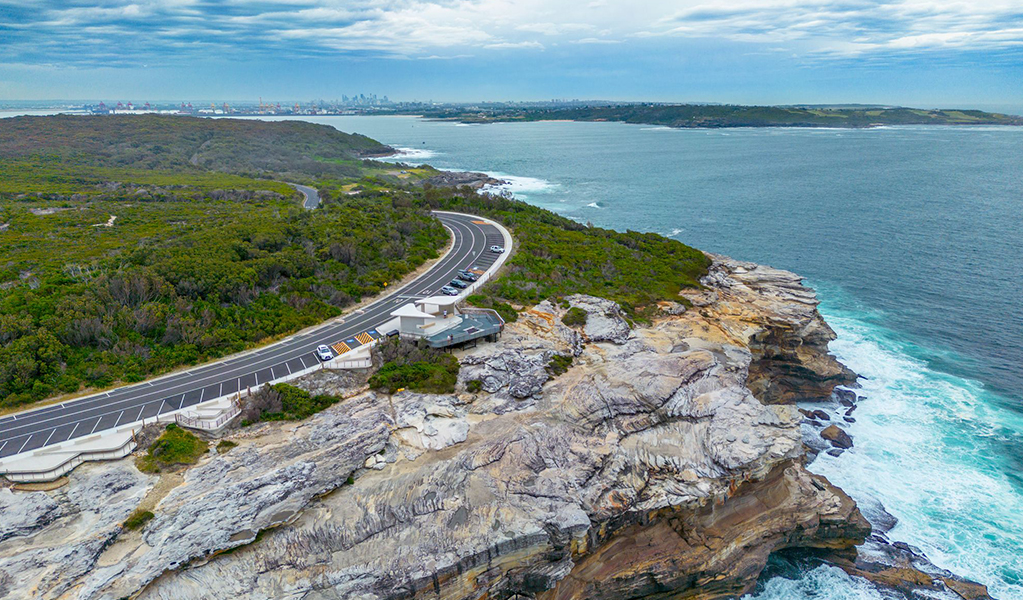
{"points": [[496, 249], [324, 353]]}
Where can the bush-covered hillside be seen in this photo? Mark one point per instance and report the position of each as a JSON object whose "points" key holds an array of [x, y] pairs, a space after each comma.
{"points": [[702, 115], [556, 256], [180, 282], [186, 145]]}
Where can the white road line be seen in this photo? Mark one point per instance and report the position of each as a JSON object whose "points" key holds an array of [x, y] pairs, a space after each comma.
{"points": [[159, 410], [221, 390], [119, 415], [257, 377], [289, 368], [25, 444], [2, 446], [74, 430], [202, 393], [272, 377], [140, 413], [303, 362], [52, 431], [95, 426]]}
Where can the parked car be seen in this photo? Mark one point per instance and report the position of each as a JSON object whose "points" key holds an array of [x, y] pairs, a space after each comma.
{"points": [[324, 352], [496, 249], [467, 276], [458, 283], [448, 291]]}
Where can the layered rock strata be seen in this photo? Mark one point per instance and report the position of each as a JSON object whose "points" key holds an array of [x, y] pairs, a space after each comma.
{"points": [[664, 462]]}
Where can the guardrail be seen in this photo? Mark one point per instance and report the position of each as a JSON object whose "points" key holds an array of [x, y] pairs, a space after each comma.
{"points": [[198, 422], [28, 476]]}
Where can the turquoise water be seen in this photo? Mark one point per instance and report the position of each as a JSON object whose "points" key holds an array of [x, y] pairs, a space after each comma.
{"points": [[912, 237]]}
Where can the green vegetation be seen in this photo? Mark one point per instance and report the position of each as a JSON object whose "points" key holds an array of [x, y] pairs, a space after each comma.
{"points": [[289, 403], [700, 115], [415, 368], [207, 256], [138, 519], [189, 145], [174, 447], [182, 282], [225, 446], [557, 257], [575, 317], [474, 386], [558, 364]]}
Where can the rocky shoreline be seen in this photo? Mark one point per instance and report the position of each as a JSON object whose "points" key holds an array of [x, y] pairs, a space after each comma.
{"points": [[667, 461]]}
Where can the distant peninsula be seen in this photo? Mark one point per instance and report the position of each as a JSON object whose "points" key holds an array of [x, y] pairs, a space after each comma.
{"points": [[718, 116]]}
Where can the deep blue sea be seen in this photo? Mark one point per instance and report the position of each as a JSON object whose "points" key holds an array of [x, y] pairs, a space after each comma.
{"points": [[913, 237]]}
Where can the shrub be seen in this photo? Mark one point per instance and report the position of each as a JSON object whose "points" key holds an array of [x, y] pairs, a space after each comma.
{"points": [[138, 519], [558, 364], [225, 446], [474, 386], [174, 447], [575, 317], [414, 367], [283, 402]]}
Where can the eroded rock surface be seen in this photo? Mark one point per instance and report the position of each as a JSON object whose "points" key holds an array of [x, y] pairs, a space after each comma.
{"points": [[661, 461]]}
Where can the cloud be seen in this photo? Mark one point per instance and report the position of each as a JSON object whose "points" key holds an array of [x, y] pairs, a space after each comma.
{"points": [[128, 32]]}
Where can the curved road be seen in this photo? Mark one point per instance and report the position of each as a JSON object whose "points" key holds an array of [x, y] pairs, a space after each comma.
{"points": [[312, 197], [81, 417]]}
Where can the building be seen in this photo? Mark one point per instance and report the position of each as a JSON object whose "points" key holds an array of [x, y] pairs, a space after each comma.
{"points": [[440, 322]]}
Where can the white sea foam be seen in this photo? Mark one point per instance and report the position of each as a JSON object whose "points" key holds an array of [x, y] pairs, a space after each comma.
{"points": [[675, 232], [658, 128], [934, 449], [410, 155], [520, 186], [823, 583], [594, 205]]}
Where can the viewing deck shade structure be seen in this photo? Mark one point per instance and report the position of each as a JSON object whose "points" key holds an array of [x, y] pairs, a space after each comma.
{"points": [[440, 322]]}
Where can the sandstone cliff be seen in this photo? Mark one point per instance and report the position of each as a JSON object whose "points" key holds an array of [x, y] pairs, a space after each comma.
{"points": [[667, 461]]}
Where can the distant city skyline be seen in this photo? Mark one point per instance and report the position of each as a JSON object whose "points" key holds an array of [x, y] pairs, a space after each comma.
{"points": [[922, 53]]}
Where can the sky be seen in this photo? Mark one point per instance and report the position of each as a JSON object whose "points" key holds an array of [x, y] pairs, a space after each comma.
{"points": [[926, 53]]}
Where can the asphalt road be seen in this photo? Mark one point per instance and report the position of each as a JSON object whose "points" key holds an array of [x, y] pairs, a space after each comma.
{"points": [[312, 197], [76, 418]]}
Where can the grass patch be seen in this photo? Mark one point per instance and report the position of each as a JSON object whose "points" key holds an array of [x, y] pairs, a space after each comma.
{"points": [[474, 386], [174, 447], [138, 519], [575, 317], [225, 446]]}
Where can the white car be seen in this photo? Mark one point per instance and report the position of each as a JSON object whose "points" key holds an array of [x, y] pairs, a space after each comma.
{"points": [[496, 249], [324, 353]]}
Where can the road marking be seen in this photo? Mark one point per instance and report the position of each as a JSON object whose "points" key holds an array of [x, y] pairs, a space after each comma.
{"points": [[74, 430], [257, 378], [2, 446], [303, 362], [221, 393], [149, 383], [140, 413], [119, 415], [272, 376], [160, 410], [23, 445], [95, 426], [202, 393], [52, 431], [289, 368]]}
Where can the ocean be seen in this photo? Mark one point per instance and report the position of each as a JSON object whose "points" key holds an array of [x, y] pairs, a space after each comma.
{"points": [[912, 237]]}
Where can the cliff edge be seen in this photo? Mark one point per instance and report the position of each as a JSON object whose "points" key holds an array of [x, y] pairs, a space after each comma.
{"points": [[605, 460]]}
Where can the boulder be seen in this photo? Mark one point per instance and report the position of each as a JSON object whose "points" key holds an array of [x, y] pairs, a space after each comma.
{"points": [[837, 436]]}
